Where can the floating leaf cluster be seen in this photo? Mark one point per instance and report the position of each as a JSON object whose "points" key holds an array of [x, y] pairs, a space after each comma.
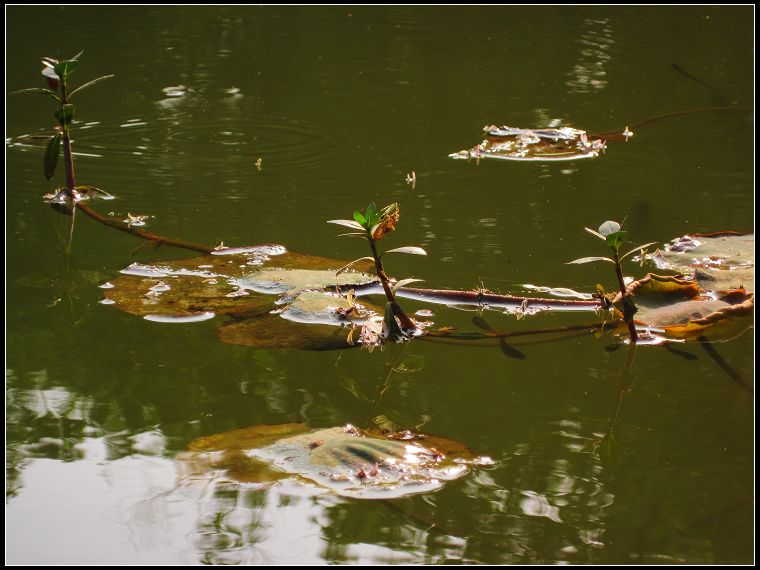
{"points": [[510, 143]]}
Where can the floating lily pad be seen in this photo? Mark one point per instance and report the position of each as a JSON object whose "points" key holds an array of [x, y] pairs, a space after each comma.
{"points": [[509, 143], [238, 283], [276, 280], [314, 320], [678, 308], [721, 261], [343, 459]]}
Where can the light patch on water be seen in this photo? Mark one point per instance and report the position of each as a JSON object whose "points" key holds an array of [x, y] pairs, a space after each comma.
{"points": [[255, 249], [149, 443], [536, 505], [204, 316], [558, 291], [141, 270], [175, 91], [237, 293], [88, 154]]}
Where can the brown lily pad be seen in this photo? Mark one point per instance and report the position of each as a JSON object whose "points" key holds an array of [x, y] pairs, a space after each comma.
{"points": [[344, 459], [678, 308], [510, 143], [239, 281], [721, 261], [313, 320]]}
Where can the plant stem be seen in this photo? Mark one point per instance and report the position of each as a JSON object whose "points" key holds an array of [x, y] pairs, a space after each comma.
{"points": [[69, 164], [68, 158], [406, 322], [628, 307], [142, 233]]}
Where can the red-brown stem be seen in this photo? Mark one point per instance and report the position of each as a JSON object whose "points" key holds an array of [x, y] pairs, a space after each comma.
{"points": [[624, 298], [119, 225], [480, 299], [69, 164], [406, 322], [68, 159], [617, 135]]}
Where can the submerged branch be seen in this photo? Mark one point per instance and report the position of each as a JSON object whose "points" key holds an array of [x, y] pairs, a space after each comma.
{"points": [[618, 135], [119, 225]]}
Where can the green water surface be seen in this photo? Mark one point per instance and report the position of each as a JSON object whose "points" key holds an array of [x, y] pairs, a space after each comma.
{"points": [[340, 104]]}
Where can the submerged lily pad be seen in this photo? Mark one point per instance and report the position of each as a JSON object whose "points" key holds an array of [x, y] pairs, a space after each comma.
{"points": [[678, 308], [239, 283], [509, 143], [345, 460], [721, 261]]}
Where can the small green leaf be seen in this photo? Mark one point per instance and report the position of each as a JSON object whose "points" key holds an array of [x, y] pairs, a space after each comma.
{"points": [[355, 261], [360, 219], [639, 248], [65, 114], [616, 239], [37, 90], [63, 68], [89, 83], [589, 260], [411, 250], [372, 216], [609, 227], [348, 223], [51, 155], [403, 283]]}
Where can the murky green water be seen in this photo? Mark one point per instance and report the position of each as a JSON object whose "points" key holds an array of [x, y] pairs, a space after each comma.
{"points": [[340, 104]]}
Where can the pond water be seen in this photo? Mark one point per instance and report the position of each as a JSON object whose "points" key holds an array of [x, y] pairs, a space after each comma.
{"points": [[341, 104]]}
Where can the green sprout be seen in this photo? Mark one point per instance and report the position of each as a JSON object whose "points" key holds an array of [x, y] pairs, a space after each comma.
{"points": [[56, 74], [372, 225], [611, 233]]}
